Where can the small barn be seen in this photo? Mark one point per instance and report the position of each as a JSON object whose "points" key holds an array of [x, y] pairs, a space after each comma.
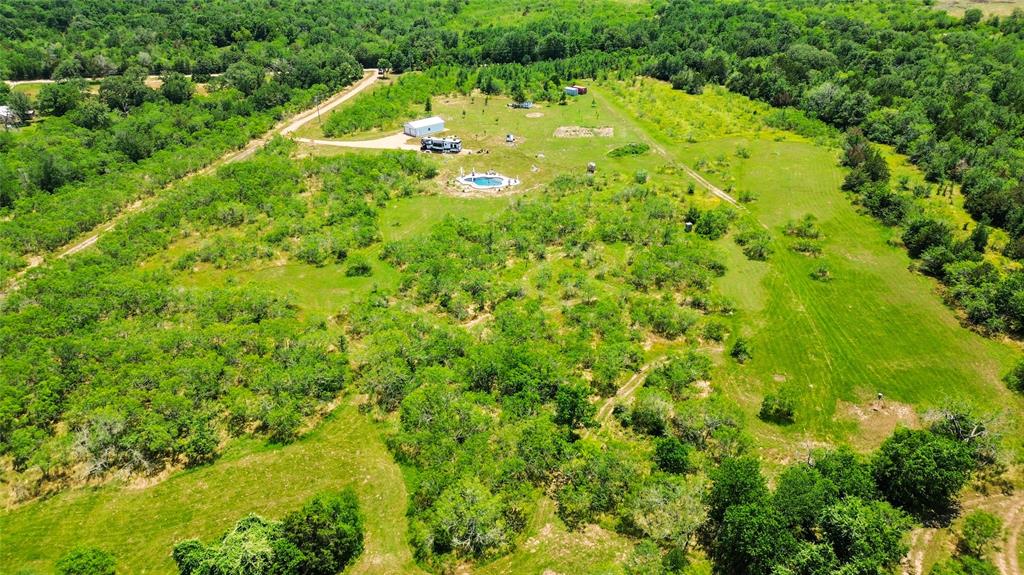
{"points": [[580, 90], [420, 128], [571, 91]]}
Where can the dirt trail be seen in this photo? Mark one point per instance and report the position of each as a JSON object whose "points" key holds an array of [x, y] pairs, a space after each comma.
{"points": [[710, 187], [1007, 559], [920, 538], [150, 80], [397, 141], [1010, 508], [624, 392], [283, 128]]}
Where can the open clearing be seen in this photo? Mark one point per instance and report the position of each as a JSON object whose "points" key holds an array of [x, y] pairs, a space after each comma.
{"points": [[876, 328], [988, 7], [140, 526], [582, 132]]}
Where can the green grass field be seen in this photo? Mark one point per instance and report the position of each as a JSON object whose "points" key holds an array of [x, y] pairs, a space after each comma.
{"points": [[877, 327], [141, 525]]}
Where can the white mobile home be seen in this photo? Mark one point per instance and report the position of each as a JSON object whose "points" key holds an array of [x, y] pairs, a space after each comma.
{"points": [[420, 128]]}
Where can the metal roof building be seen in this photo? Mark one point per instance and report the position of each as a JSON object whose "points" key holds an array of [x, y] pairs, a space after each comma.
{"points": [[420, 128]]}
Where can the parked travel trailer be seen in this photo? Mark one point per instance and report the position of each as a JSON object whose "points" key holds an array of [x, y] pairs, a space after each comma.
{"points": [[449, 145]]}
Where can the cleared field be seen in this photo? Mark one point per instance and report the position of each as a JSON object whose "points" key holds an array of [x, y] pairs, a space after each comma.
{"points": [[537, 156], [140, 525], [877, 327], [989, 7]]}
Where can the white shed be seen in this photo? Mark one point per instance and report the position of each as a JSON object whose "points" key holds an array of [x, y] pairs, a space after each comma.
{"points": [[419, 128]]}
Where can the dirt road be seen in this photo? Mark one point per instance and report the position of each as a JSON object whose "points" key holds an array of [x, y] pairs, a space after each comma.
{"points": [[709, 186], [397, 141], [283, 128], [1006, 558], [151, 80]]}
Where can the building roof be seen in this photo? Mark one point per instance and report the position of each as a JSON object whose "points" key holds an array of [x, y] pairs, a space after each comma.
{"points": [[431, 121]]}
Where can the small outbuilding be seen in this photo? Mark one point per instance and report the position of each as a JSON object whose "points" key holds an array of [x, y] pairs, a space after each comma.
{"points": [[580, 90], [420, 128], [572, 91]]}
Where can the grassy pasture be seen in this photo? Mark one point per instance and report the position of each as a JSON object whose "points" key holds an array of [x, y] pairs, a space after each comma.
{"points": [[506, 12], [876, 328], [141, 525], [988, 7]]}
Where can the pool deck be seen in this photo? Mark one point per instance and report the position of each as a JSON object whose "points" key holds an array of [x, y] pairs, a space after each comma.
{"points": [[467, 180]]}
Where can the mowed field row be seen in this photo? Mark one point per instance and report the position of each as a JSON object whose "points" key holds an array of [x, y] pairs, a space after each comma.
{"points": [[877, 327]]}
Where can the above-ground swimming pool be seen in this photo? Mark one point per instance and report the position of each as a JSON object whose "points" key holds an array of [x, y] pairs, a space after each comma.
{"points": [[488, 181]]}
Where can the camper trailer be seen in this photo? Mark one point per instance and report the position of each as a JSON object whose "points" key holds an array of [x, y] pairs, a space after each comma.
{"points": [[449, 145]]}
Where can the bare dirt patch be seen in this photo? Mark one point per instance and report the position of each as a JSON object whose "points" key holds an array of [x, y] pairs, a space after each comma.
{"points": [[535, 115], [583, 132], [878, 418]]}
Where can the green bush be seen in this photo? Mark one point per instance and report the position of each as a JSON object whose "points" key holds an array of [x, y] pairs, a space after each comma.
{"points": [[327, 532], [921, 471], [86, 561], [979, 533], [651, 413], [631, 149], [672, 455], [358, 266], [322, 538], [740, 351], [1015, 379], [964, 565], [776, 408]]}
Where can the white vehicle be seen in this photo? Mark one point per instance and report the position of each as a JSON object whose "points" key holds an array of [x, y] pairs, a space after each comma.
{"points": [[449, 145]]}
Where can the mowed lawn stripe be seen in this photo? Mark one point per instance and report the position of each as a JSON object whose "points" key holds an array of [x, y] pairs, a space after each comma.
{"points": [[877, 327]]}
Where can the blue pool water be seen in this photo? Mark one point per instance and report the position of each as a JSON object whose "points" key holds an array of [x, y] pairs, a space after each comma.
{"points": [[487, 181]]}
